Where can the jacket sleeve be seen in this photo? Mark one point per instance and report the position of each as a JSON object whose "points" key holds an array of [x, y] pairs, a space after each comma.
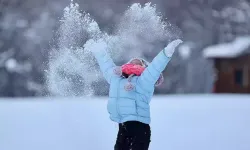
{"points": [[106, 64], [152, 73]]}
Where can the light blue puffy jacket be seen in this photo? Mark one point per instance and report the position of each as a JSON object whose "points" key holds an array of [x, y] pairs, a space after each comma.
{"points": [[131, 105]]}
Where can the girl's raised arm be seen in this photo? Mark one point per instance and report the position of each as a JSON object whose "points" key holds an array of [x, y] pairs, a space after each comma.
{"points": [[152, 73], [99, 50]]}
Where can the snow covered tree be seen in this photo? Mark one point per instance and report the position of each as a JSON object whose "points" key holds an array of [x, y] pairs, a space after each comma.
{"points": [[25, 31]]}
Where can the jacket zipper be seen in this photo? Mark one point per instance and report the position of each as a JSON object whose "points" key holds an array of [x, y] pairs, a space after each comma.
{"points": [[117, 99]]}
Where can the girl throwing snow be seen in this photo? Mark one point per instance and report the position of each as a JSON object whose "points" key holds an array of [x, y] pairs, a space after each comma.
{"points": [[131, 89]]}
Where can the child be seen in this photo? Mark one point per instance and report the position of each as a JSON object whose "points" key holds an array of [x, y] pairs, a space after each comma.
{"points": [[131, 89]]}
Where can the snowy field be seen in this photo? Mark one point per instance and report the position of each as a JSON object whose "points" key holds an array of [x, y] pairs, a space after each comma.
{"points": [[194, 122]]}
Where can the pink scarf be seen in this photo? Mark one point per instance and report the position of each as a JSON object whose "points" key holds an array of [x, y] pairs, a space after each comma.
{"points": [[132, 69]]}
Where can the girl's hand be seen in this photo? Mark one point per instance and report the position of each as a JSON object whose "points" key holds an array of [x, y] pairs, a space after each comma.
{"points": [[170, 49], [96, 46]]}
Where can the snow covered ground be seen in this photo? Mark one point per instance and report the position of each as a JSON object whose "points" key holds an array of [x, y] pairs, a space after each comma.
{"points": [[184, 122]]}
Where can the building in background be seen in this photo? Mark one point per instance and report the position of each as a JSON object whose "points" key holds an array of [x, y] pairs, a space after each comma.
{"points": [[232, 65]]}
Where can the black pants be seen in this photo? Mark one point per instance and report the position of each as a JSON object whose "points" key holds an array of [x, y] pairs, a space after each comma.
{"points": [[133, 135]]}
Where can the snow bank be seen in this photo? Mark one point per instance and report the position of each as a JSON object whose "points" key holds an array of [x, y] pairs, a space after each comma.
{"points": [[228, 50], [194, 122]]}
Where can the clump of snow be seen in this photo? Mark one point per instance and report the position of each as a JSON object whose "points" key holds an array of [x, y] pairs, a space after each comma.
{"points": [[72, 68], [4, 56], [185, 50], [139, 30], [228, 50], [11, 65]]}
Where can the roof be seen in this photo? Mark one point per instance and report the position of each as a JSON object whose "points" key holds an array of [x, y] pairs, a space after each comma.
{"points": [[233, 49]]}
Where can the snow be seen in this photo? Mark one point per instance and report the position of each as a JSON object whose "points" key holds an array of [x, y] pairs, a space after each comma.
{"points": [[228, 50], [11, 64], [239, 13], [190, 122], [136, 33], [185, 50]]}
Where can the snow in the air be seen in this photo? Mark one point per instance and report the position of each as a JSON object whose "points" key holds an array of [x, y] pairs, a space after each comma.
{"points": [[184, 122], [135, 34], [228, 50]]}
